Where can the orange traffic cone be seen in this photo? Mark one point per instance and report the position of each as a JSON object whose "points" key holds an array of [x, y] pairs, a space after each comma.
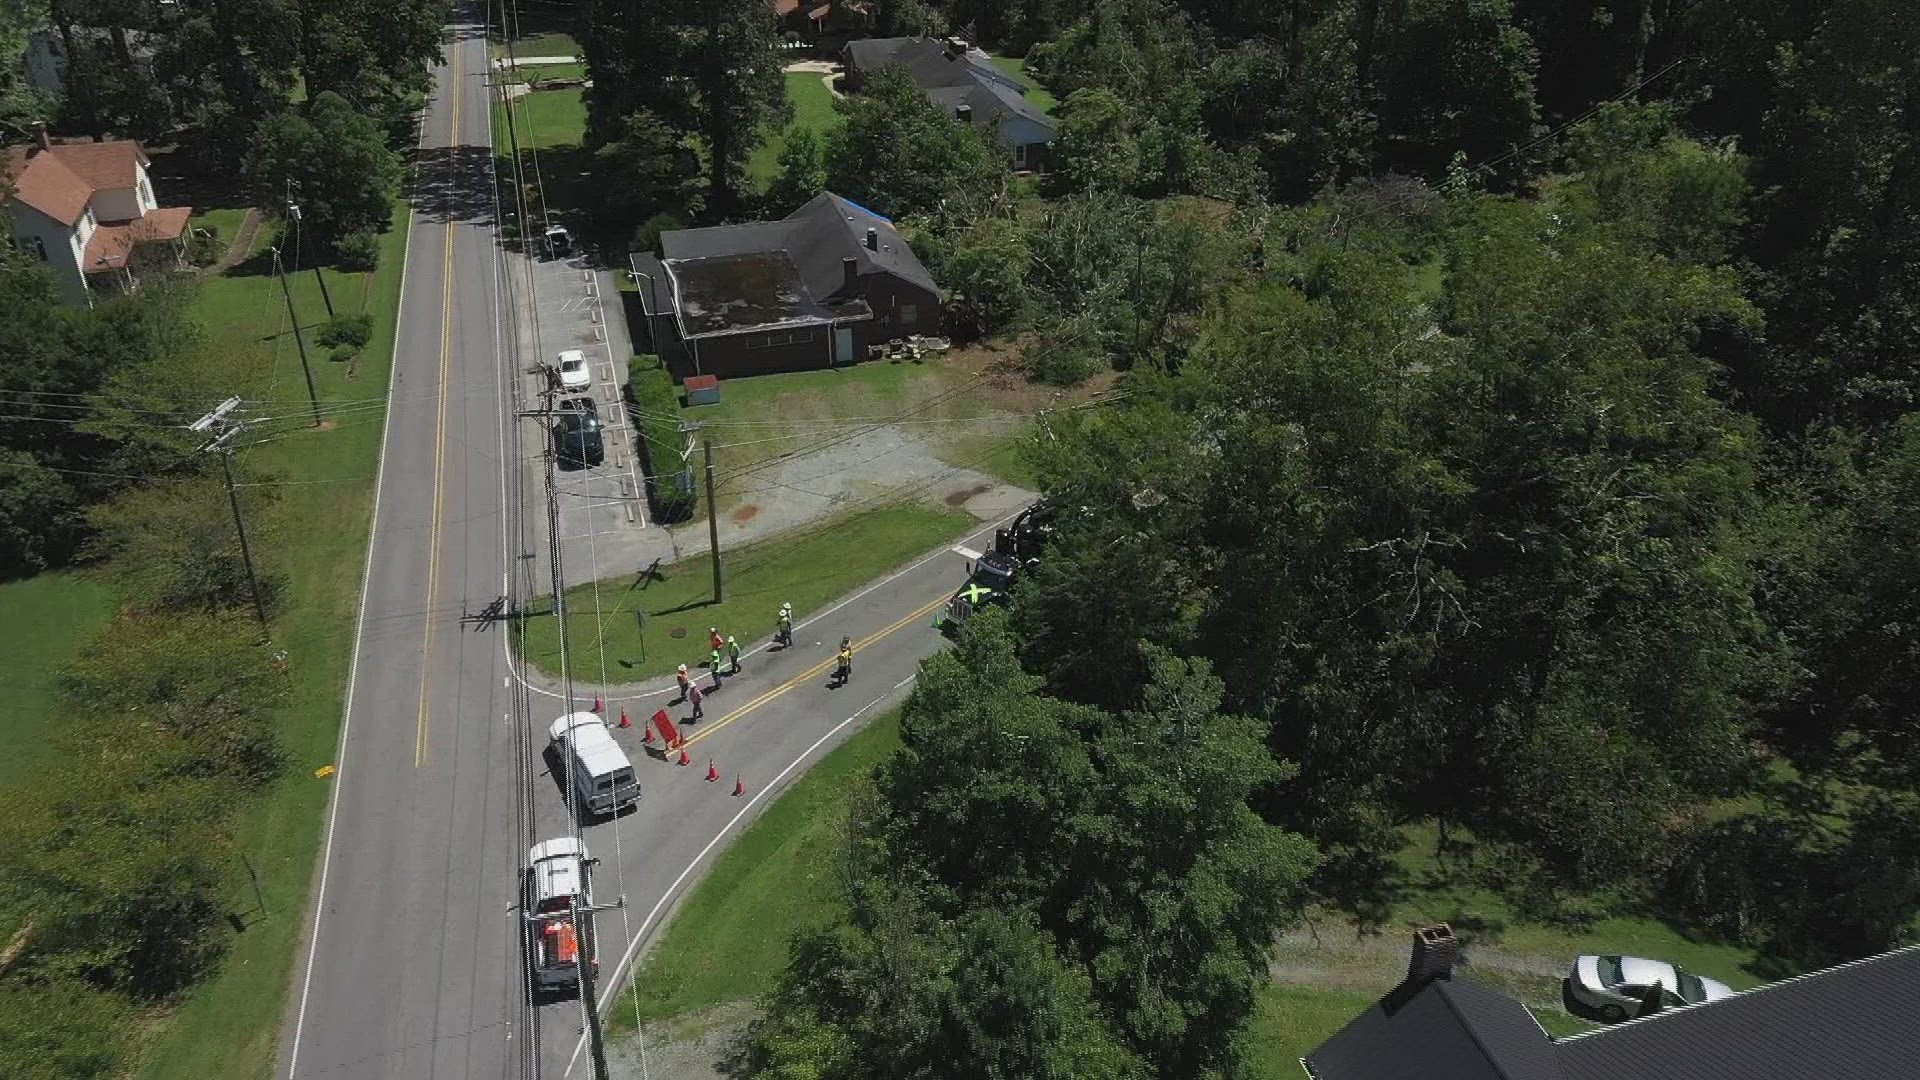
{"points": [[684, 759], [624, 722], [598, 705], [739, 786], [712, 773], [647, 739]]}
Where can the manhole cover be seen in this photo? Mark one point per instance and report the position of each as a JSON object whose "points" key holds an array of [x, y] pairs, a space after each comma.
{"points": [[677, 632]]}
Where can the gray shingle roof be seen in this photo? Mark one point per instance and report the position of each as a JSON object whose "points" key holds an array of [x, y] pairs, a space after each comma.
{"points": [[926, 59], [817, 236], [1855, 1021], [1851, 1022], [786, 270], [1449, 1029]]}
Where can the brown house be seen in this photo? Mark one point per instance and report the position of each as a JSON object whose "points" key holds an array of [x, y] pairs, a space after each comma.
{"points": [[818, 288]]}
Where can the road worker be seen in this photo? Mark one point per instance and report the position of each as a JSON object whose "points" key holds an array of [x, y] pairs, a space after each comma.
{"points": [[713, 664], [783, 626], [844, 673], [733, 653], [714, 639], [694, 695], [684, 680]]}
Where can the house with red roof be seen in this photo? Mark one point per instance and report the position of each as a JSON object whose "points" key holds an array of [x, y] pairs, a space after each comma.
{"points": [[88, 211]]}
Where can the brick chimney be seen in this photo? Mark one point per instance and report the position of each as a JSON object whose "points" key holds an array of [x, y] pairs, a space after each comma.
{"points": [[873, 239], [40, 135], [1434, 951], [850, 272]]}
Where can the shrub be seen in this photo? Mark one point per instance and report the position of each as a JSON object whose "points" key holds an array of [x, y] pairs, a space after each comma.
{"points": [[341, 354], [655, 404], [352, 331], [1063, 359], [204, 246], [358, 251]]}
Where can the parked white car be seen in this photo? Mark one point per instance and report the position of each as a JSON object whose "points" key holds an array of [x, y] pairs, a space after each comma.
{"points": [[574, 373], [1613, 986]]}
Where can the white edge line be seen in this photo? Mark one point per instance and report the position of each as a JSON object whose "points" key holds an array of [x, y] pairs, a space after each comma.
{"points": [[673, 890], [353, 667], [811, 619]]}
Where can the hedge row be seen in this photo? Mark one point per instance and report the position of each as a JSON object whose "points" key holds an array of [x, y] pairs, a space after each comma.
{"points": [[654, 401]]}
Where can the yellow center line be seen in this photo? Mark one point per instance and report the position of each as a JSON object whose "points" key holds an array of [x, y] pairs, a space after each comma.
{"points": [[439, 445], [807, 675]]}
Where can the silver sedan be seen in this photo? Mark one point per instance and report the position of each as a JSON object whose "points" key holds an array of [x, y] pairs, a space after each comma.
{"points": [[1614, 986]]}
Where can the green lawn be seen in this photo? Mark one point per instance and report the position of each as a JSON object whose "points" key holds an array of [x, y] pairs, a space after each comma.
{"points": [[729, 939], [812, 110], [768, 416], [1039, 95], [224, 222], [550, 71], [549, 118], [811, 567], [230, 1026], [1289, 1021], [49, 618], [553, 43]]}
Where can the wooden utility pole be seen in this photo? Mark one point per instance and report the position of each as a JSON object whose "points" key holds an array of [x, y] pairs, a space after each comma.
{"points": [[219, 421], [293, 316], [713, 525]]}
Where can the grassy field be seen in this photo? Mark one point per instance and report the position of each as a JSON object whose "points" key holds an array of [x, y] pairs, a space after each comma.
{"points": [[224, 222], [548, 71], [49, 617], [811, 567], [770, 416], [729, 939], [1039, 95], [230, 1026], [551, 43], [549, 118], [812, 110]]}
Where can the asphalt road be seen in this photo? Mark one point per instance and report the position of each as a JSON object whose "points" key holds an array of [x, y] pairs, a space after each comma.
{"points": [[412, 965]]}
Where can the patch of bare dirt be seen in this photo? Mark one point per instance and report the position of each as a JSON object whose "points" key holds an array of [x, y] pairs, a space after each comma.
{"points": [[959, 498], [743, 514]]}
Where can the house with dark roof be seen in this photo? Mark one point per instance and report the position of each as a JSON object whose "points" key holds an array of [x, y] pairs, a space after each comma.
{"points": [[962, 81], [815, 289], [88, 211], [1854, 1021]]}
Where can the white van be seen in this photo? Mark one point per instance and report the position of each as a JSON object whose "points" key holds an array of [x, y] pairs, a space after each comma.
{"points": [[602, 775]]}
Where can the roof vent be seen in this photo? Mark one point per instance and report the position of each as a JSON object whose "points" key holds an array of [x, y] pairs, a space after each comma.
{"points": [[873, 239], [956, 47], [964, 114]]}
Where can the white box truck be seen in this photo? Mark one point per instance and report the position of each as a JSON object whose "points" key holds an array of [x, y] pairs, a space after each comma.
{"points": [[602, 776]]}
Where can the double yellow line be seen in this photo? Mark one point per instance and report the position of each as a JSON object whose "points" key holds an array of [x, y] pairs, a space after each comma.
{"points": [[439, 447], [809, 674]]}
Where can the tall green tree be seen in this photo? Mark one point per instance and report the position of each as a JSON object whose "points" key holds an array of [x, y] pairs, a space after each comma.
{"points": [[802, 172], [337, 162], [711, 68], [901, 155], [373, 53]]}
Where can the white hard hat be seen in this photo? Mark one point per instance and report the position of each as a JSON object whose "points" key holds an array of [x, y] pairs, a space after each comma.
{"points": [[730, 640], [683, 669]]}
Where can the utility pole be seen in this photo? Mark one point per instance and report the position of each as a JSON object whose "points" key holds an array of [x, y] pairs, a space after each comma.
{"points": [[596, 1045], [713, 525], [222, 444], [293, 211], [306, 368]]}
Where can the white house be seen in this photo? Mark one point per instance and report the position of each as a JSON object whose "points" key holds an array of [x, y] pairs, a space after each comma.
{"points": [[88, 211]]}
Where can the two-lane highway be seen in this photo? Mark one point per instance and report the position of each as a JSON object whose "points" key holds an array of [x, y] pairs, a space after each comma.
{"points": [[411, 966]]}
